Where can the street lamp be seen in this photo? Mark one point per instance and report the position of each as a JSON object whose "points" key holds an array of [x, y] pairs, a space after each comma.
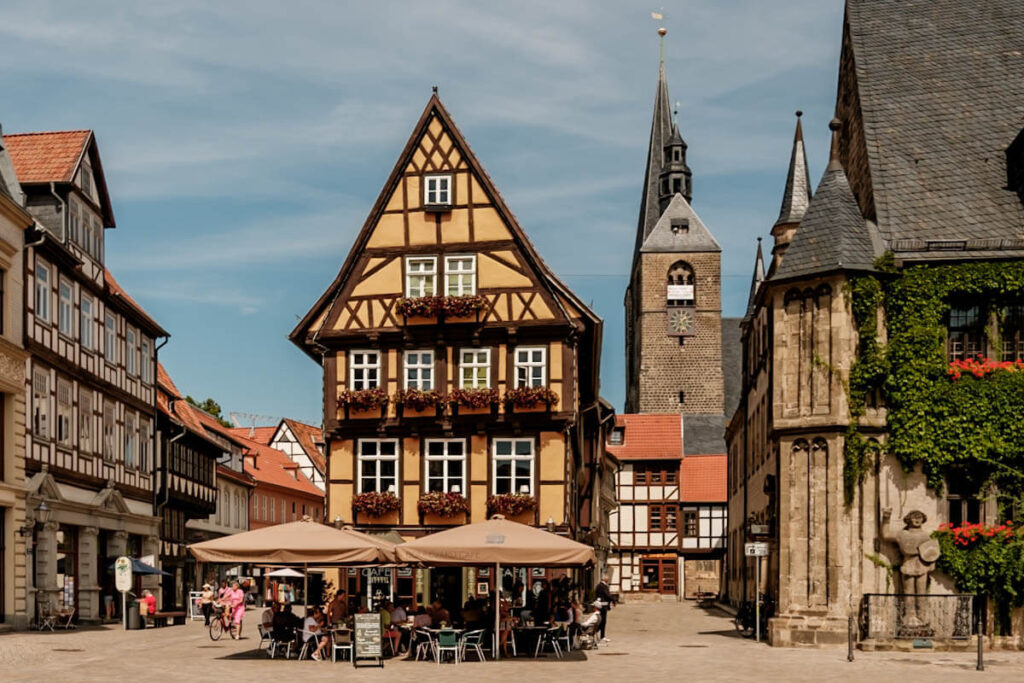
{"points": [[43, 513], [338, 522], [551, 524]]}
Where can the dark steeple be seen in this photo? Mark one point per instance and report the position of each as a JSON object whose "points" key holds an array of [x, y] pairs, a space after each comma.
{"points": [[833, 234], [795, 198], [756, 279], [665, 139]]}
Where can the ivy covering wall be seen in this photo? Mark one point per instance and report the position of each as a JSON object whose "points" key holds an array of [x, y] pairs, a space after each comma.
{"points": [[970, 428]]}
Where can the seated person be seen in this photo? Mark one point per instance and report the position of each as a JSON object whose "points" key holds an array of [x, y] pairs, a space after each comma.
{"points": [[439, 615], [282, 628], [385, 613], [147, 605], [398, 614], [267, 618], [313, 630], [422, 619], [592, 620]]}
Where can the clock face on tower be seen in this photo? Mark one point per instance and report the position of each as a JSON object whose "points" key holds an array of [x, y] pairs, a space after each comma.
{"points": [[681, 322]]}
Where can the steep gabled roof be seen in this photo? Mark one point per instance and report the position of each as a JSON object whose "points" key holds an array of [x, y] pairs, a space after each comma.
{"points": [[276, 469], [940, 85], [9, 184], [309, 437], [435, 108], [695, 238], [55, 157], [832, 235], [704, 479], [119, 293], [756, 279], [648, 436], [263, 435]]}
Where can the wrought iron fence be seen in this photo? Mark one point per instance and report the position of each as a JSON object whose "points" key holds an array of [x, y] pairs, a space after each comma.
{"points": [[911, 615]]}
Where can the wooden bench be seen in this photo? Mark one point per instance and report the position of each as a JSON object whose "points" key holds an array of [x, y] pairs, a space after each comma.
{"points": [[163, 618]]}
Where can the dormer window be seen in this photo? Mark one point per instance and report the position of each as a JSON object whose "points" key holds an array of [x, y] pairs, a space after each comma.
{"points": [[617, 436], [437, 191]]}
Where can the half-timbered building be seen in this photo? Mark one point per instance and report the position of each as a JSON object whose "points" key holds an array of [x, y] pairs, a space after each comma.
{"points": [[460, 374], [14, 221], [302, 443], [89, 380], [668, 534]]}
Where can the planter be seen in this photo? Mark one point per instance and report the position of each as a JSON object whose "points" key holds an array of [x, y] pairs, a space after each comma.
{"points": [[371, 414], [421, 320], [530, 399], [429, 411], [388, 519], [432, 519]]}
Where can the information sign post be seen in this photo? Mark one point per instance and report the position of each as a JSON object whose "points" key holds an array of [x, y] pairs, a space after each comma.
{"points": [[123, 583], [757, 550]]}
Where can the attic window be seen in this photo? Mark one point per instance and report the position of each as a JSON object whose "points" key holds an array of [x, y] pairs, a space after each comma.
{"points": [[680, 226], [617, 436], [437, 191]]}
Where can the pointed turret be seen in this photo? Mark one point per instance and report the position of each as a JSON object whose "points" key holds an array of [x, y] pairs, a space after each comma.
{"points": [[8, 178], [795, 198], [833, 234], [756, 279]]}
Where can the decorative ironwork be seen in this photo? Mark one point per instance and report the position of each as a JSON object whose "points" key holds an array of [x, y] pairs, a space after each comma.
{"points": [[888, 616]]}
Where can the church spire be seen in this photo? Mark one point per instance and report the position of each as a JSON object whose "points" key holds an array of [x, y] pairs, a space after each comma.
{"points": [[795, 198], [662, 165]]}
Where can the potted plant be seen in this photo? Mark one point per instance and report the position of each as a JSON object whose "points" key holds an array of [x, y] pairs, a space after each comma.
{"points": [[442, 506], [474, 400], [375, 504], [418, 400], [461, 306], [363, 400], [418, 307], [530, 397], [511, 505]]}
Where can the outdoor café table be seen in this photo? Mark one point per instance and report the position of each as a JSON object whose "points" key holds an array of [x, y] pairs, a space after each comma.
{"points": [[532, 633]]}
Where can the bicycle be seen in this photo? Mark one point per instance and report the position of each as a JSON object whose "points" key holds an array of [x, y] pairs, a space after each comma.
{"points": [[221, 623], [745, 616]]}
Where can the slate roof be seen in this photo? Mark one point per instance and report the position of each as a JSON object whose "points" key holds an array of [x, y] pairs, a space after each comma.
{"points": [[661, 132], [648, 436], [797, 194], [941, 89], [704, 479], [695, 238], [47, 157], [832, 235], [756, 279], [9, 184], [732, 370]]}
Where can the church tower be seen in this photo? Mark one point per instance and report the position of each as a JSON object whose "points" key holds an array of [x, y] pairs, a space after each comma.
{"points": [[673, 301]]}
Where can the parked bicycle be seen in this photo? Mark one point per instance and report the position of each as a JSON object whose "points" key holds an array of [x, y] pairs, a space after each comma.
{"points": [[745, 619]]}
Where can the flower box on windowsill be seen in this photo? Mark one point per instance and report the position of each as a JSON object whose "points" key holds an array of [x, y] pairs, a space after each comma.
{"points": [[363, 403], [387, 519], [439, 507], [520, 507], [473, 401], [416, 403], [434, 309], [530, 399], [434, 519], [373, 507]]}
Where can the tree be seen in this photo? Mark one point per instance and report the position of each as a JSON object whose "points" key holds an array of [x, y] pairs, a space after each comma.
{"points": [[210, 406]]}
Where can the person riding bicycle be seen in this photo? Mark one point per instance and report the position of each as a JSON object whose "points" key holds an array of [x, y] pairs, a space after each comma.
{"points": [[236, 605]]}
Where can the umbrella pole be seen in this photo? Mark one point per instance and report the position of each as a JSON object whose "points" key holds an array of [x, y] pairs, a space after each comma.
{"points": [[497, 611], [305, 588]]}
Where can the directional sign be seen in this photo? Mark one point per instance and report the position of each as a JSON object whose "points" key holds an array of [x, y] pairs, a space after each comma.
{"points": [[755, 549]]}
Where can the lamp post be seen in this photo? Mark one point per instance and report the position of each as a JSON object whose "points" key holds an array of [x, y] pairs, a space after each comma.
{"points": [[338, 522]]}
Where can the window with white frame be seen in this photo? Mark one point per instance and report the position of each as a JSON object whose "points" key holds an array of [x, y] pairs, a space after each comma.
{"points": [[446, 465], [85, 421], [531, 366], [512, 465], [460, 275], [420, 276], [131, 358], [110, 338], [131, 439], [364, 370], [474, 368], [42, 293], [437, 190], [145, 444], [64, 412], [378, 465], [109, 427], [419, 370], [146, 363], [41, 403], [87, 323], [65, 308]]}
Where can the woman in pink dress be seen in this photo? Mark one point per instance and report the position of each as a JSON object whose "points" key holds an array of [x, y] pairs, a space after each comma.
{"points": [[236, 599]]}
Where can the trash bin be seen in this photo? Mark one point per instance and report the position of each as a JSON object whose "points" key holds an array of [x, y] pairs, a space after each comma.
{"points": [[134, 620]]}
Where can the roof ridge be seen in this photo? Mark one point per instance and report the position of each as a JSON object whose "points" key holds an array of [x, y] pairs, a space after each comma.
{"points": [[48, 132]]}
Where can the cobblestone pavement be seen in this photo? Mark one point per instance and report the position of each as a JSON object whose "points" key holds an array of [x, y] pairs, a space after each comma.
{"points": [[667, 641]]}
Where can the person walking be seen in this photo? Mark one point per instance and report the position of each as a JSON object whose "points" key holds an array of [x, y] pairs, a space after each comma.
{"points": [[206, 603], [236, 603], [604, 602]]}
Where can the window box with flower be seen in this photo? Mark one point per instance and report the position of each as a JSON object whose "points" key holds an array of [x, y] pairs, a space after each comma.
{"points": [[363, 403], [440, 507], [425, 309], [518, 507], [376, 505], [531, 398], [473, 401], [420, 403]]}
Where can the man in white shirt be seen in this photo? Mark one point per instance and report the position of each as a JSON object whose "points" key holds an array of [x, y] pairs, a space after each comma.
{"points": [[311, 630]]}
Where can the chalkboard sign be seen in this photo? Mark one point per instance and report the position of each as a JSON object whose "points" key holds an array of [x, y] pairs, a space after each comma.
{"points": [[367, 640]]}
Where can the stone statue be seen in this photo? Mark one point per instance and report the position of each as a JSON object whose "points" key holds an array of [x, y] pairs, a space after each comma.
{"points": [[919, 551]]}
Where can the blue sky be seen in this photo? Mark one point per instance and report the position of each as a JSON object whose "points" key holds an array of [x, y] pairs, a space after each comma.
{"points": [[244, 143]]}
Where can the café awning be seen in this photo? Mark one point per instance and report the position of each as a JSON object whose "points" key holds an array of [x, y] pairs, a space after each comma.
{"points": [[496, 541], [298, 543]]}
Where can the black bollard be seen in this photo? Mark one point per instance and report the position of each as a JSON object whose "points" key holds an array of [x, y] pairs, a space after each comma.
{"points": [[981, 637], [849, 639]]}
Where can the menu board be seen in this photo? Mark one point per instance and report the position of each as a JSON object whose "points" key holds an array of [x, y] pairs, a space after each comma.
{"points": [[367, 642]]}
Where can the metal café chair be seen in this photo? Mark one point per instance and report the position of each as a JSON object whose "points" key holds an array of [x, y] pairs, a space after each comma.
{"points": [[550, 637], [447, 641], [425, 644], [341, 640], [472, 640]]}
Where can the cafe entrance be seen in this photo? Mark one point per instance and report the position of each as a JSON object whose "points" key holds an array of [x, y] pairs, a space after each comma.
{"points": [[659, 573]]}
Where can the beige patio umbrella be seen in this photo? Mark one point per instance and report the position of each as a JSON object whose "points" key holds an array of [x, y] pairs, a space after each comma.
{"points": [[299, 543], [497, 541]]}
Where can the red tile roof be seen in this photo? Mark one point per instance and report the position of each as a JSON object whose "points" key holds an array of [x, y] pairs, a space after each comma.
{"points": [[704, 479], [261, 435], [240, 477], [276, 469], [47, 157], [170, 402], [114, 288], [649, 437], [311, 439]]}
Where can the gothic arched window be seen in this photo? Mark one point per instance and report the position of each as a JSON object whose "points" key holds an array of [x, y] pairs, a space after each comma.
{"points": [[682, 289]]}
